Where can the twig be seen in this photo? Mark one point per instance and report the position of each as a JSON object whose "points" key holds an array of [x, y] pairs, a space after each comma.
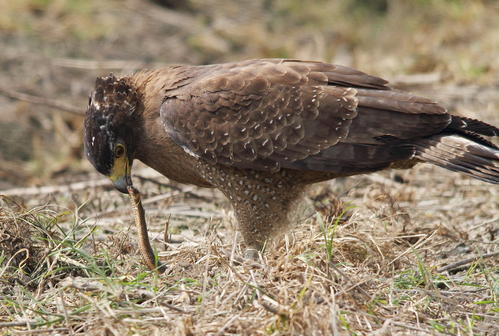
{"points": [[17, 324], [52, 331], [149, 310], [149, 200], [403, 325], [41, 101], [271, 305], [176, 211], [156, 182], [384, 330], [414, 247], [466, 261], [171, 186], [228, 323], [496, 219], [395, 323], [56, 189], [165, 233]]}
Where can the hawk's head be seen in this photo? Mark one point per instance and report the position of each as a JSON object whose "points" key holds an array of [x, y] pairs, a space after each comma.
{"points": [[109, 129]]}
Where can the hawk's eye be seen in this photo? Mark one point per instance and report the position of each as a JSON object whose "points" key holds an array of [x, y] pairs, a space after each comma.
{"points": [[119, 151]]}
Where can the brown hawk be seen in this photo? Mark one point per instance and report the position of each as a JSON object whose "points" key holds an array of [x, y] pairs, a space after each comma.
{"points": [[261, 130]]}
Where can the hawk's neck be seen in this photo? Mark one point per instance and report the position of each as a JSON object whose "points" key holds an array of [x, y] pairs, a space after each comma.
{"points": [[154, 147], [154, 85]]}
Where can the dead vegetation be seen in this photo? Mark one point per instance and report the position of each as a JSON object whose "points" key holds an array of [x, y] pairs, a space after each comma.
{"points": [[401, 252], [399, 258]]}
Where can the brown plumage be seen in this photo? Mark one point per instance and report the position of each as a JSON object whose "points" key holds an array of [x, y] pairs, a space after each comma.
{"points": [[262, 130]]}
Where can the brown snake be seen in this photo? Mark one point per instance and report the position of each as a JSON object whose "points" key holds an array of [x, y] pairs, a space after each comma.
{"points": [[140, 221]]}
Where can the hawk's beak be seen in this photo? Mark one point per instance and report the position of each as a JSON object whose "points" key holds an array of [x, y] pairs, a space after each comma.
{"points": [[122, 183], [121, 174]]}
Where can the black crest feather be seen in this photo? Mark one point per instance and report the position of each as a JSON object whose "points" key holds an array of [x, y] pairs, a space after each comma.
{"points": [[111, 107], [114, 93]]}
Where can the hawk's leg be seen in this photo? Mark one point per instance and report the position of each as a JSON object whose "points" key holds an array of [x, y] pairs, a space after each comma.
{"points": [[263, 202], [265, 212]]}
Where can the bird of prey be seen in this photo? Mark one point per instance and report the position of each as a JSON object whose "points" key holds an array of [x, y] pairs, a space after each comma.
{"points": [[262, 130]]}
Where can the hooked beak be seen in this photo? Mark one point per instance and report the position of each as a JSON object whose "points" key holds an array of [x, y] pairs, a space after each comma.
{"points": [[122, 183], [121, 175]]}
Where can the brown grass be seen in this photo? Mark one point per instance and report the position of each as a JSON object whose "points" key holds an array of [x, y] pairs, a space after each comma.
{"points": [[380, 275]]}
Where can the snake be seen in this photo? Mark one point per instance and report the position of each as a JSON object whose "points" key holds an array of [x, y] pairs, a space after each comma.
{"points": [[140, 221]]}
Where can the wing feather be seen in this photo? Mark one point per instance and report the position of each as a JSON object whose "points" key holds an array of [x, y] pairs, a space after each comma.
{"points": [[267, 114]]}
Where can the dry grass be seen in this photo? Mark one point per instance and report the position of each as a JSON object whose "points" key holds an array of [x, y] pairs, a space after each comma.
{"points": [[400, 252], [372, 267]]}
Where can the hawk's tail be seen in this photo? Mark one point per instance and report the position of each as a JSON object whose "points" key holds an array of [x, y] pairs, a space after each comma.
{"points": [[466, 153]]}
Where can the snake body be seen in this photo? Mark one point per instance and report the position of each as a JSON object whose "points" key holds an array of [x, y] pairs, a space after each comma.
{"points": [[140, 221]]}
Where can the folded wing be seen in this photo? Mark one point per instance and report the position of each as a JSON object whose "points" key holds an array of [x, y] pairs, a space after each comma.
{"points": [[272, 114]]}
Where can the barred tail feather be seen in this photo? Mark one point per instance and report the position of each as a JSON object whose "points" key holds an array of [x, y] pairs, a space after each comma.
{"points": [[458, 153], [473, 126]]}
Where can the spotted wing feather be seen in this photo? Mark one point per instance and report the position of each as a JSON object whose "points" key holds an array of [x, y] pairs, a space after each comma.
{"points": [[267, 114], [259, 117]]}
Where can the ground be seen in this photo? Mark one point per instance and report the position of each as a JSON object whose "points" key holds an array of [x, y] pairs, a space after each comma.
{"points": [[402, 252]]}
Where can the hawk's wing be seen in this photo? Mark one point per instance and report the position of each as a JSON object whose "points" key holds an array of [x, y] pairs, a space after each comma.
{"points": [[267, 114]]}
